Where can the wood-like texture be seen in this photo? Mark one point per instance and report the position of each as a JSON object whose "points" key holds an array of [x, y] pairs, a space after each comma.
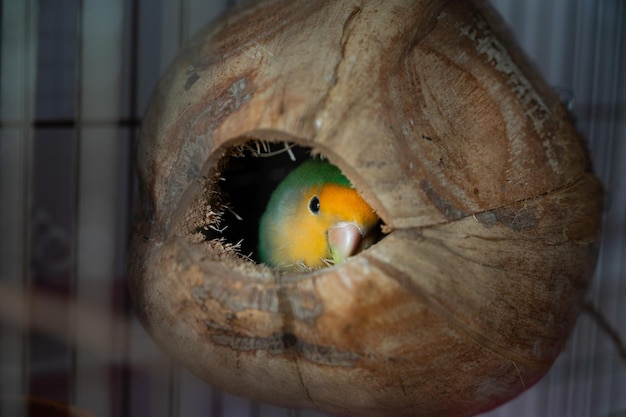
{"points": [[466, 154]]}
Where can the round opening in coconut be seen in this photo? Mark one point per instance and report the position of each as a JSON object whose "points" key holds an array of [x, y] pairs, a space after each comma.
{"points": [[280, 205], [364, 208]]}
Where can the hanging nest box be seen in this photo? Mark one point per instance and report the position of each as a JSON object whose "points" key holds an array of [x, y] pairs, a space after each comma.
{"points": [[490, 209]]}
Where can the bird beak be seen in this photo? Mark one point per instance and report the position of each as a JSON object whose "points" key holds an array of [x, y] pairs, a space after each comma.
{"points": [[344, 240]]}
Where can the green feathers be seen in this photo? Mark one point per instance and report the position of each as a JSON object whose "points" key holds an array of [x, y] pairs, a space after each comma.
{"points": [[311, 172]]}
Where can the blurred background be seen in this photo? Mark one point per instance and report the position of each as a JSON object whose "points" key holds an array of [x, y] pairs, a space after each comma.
{"points": [[76, 78]]}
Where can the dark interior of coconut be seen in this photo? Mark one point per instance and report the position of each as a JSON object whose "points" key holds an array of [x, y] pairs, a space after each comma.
{"points": [[236, 192]]}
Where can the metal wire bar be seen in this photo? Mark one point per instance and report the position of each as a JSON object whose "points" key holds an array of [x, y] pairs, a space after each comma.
{"points": [[18, 68]]}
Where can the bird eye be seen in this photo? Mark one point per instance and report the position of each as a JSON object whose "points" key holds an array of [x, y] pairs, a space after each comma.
{"points": [[314, 205]]}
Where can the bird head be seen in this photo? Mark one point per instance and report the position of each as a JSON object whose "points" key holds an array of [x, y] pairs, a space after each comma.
{"points": [[314, 219]]}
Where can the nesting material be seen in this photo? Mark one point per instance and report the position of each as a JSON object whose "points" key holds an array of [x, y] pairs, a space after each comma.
{"points": [[490, 206]]}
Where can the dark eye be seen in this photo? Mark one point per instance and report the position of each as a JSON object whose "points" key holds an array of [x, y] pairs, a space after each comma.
{"points": [[314, 204]]}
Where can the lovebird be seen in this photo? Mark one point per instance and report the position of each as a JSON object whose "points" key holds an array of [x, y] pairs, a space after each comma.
{"points": [[314, 218]]}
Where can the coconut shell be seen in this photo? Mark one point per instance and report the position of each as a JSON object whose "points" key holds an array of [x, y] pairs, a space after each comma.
{"points": [[491, 210]]}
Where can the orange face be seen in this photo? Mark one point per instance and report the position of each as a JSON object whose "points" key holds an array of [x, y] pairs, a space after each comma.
{"points": [[305, 237]]}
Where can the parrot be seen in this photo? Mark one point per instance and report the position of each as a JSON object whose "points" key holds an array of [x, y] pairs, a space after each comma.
{"points": [[313, 219]]}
